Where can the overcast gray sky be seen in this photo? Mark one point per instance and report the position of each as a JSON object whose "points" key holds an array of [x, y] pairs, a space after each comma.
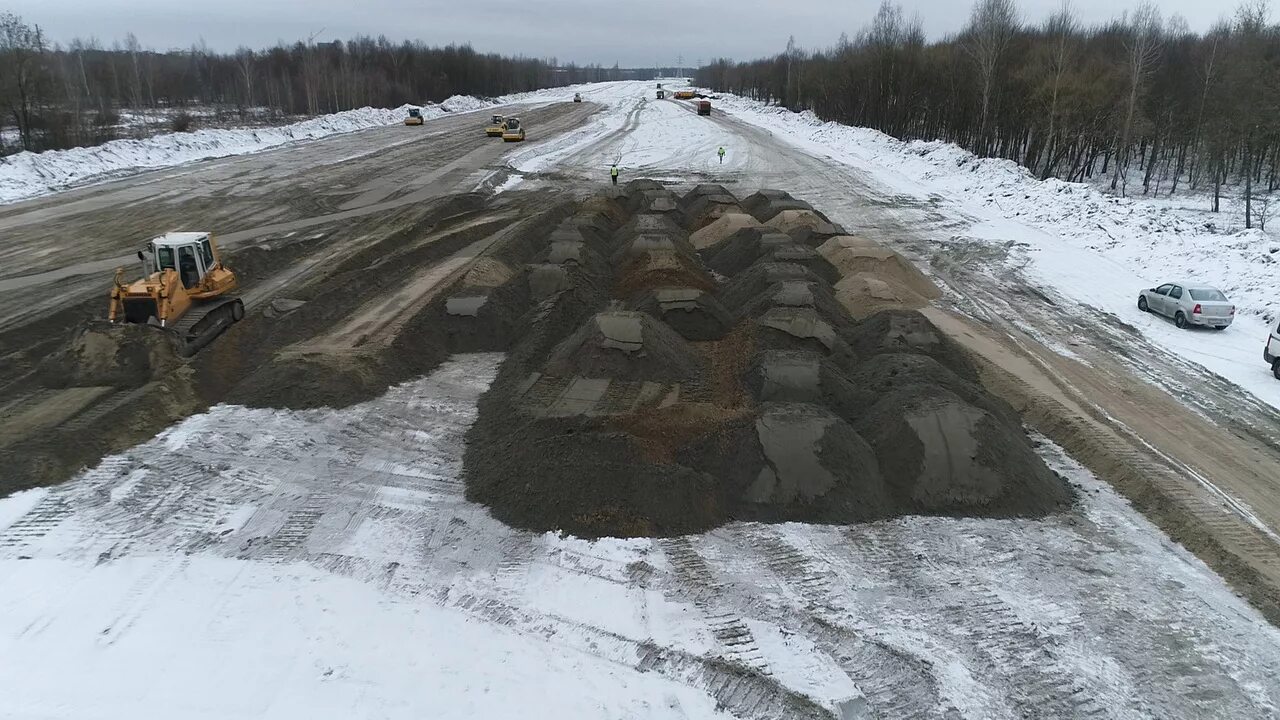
{"points": [[630, 32]]}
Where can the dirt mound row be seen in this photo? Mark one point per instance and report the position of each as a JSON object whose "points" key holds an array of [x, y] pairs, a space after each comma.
{"points": [[760, 396]]}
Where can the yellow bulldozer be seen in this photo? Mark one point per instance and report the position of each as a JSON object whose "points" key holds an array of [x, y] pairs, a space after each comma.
{"points": [[495, 127], [415, 117], [185, 290]]}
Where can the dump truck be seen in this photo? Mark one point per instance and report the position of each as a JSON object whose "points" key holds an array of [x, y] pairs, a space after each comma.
{"points": [[185, 290], [495, 127], [415, 117], [512, 131], [704, 107], [662, 94], [685, 94]]}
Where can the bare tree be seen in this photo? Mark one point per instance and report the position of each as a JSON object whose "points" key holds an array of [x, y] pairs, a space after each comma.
{"points": [[1142, 52], [245, 60], [1061, 28], [21, 48], [992, 26]]}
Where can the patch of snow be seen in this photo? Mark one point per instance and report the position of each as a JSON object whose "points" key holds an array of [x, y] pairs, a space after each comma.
{"points": [[1095, 249], [19, 504]]}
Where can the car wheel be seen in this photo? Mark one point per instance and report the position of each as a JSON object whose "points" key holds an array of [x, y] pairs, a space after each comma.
{"points": [[1275, 368], [237, 311], [1180, 320], [1219, 327], [1142, 304]]}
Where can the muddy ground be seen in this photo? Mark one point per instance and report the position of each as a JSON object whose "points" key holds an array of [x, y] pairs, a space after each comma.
{"points": [[75, 390]]}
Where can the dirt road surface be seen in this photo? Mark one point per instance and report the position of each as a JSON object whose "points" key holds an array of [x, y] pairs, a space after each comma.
{"points": [[209, 530]]}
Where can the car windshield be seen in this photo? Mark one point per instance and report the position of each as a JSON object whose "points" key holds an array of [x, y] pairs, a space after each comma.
{"points": [[1207, 295]]}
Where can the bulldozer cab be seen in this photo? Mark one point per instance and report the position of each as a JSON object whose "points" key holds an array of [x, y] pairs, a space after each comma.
{"points": [[188, 254], [513, 124], [497, 120], [415, 112]]}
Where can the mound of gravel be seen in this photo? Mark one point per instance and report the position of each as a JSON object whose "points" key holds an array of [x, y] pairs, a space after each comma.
{"points": [[803, 329], [758, 201], [658, 269], [795, 461], [864, 294], [695, 314], [702, 190], [746, 286], [653, 242], [648, 224], [767, 212], [804, 377], [790, 221], [796, 294], [907, 331], [624, 345], [742, 249], [942, 455], [586, 480], [721, 228], [709, 208]]}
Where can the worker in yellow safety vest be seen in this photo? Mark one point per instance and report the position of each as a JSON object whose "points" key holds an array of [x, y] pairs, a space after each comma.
{"points": [[721, 154], [613, 173]]}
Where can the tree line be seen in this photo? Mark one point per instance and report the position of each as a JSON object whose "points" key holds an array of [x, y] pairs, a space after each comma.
{"points": [[54, 96], [1142, 101]]}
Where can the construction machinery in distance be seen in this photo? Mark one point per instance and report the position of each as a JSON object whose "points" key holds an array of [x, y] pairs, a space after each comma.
{"points": [[512, 131], [415, 117], [496, 125], [704, 107], [662, 94], [185, 290], [685, 94], [577, 97]]}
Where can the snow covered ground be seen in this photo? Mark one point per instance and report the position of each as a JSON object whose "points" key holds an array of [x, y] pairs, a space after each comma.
{"points": [[1092, 249], [324, 564], [27, 174]]}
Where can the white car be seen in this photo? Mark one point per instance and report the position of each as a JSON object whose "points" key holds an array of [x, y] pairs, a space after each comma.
{"points": [[1272, 352], [1189, 304]]}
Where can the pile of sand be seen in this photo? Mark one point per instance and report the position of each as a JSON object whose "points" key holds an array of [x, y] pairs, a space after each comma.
{"points": [[721, 228], [852, 255], [791, 221]]}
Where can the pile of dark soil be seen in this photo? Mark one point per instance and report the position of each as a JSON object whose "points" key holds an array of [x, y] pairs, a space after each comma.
{"points": [[695, 314], [948, 456], [102, 354], [758, 397], [624, 345]]}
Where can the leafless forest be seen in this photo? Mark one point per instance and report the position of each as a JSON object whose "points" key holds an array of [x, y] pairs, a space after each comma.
{"points": [[1143, 100], [55, 96]]}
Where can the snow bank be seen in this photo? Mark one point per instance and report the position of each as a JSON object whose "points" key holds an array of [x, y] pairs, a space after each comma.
{"points": [[1157, 242], [28, 174]]}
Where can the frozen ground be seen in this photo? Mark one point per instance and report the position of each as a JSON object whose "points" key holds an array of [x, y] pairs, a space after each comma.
{"points": [[1090, 249], [253, 563], [256, 563]]}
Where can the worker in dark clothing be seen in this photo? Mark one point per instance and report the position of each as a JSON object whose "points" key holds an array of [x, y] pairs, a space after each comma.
{"points": [[613, 173]]}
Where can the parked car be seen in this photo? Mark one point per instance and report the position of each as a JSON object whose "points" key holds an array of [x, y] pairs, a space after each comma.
{"points": [[1189, 304], [1271, 353]]}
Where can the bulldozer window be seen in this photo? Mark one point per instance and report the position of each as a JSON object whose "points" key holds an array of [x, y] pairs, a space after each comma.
{"points": [[206, 252], [164, 259], [187, 266]]}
